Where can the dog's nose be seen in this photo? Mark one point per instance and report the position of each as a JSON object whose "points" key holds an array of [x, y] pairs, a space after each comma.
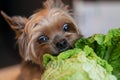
{"points": [[62, 45]]}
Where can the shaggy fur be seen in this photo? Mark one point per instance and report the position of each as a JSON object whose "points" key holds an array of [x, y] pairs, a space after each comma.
{"points": [[46, 22]]}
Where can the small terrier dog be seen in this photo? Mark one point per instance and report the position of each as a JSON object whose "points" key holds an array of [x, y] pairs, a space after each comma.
{"points": [[50, 30]]}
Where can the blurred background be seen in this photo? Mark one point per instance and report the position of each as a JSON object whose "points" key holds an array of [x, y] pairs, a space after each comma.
{"points": [[92, 16], [97, 16]]}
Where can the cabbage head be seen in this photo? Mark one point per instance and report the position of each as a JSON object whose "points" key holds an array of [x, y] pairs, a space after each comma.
{"points": [[76, 64]]}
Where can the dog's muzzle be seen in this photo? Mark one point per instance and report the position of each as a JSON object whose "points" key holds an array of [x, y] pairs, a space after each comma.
{"points": [[62, 45]]}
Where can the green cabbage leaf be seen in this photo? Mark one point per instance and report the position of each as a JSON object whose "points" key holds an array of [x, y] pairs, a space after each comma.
{"points": [[106, 47], [77, 64]]}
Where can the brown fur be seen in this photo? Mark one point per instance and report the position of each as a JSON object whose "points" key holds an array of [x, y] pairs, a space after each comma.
{"points": [[49, 22]]}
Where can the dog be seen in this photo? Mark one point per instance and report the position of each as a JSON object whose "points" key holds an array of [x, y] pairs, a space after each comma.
{"points": [[50, 30]]}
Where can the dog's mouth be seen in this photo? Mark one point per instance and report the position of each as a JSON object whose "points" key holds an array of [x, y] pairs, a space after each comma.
{"points": [[61, 46], [61, 50], [64, 48]]}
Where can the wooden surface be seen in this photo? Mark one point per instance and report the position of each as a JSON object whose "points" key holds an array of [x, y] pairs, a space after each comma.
{"points": [[10, 73]]}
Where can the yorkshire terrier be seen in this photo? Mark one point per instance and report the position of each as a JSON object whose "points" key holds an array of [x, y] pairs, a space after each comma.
{"points": [[50, 30]]}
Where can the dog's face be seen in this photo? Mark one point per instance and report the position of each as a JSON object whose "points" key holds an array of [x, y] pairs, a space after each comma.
{"points": [[51, 30]]}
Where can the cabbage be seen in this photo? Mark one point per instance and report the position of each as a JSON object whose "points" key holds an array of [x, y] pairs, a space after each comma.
{"points": [[106, 47], [76, 64]]}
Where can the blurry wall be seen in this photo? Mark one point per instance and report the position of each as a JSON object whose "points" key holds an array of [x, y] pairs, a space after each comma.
{"points": [[98, 16]]}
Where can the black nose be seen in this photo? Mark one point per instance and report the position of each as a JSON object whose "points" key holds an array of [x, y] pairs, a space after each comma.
{"points": [[62, 45]]}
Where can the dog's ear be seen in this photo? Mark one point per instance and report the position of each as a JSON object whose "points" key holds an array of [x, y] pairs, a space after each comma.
{"points": [[17, 23], [55, 4]]}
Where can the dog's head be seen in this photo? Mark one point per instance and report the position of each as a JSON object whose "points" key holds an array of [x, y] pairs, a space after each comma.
{"points": [[50, 30]]}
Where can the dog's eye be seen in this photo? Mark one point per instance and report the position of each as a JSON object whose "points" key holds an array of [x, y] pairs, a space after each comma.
{"points": [[43, 38], [66, 27]]}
